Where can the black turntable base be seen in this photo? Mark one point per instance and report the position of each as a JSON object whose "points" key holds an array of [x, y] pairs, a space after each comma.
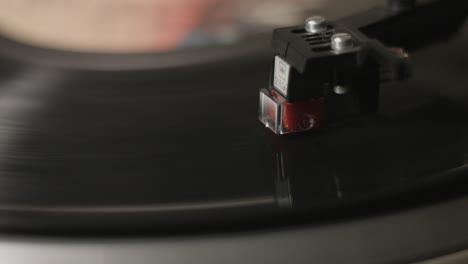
{"points": [[94, 144]]}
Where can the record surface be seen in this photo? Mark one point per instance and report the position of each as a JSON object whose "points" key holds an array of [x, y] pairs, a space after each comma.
{"points": [[128, 143]]}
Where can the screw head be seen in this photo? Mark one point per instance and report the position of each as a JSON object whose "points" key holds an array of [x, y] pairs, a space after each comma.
{"points": [[315, 24], [341, 41], [306, 122], [340, 89]]}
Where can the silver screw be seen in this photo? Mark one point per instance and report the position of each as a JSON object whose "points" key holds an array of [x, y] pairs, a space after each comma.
{"points": [[315, 24], [307, 122], [341, 41], [340, 89]]}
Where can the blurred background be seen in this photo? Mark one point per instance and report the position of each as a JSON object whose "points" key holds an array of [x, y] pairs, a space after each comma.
{"points": [[129, 26]]}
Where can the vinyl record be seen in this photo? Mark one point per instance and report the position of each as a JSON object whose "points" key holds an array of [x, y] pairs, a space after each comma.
{"points": [[171, 143]]}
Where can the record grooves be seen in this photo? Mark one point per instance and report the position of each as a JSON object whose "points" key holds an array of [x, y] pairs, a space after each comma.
{"points": [[180, 148]]}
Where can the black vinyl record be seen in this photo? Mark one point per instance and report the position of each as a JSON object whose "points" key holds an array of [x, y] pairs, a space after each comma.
{"points": [[171, 143]]}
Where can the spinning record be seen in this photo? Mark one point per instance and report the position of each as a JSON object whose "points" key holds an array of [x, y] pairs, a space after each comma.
{"points": [[157, 143]]}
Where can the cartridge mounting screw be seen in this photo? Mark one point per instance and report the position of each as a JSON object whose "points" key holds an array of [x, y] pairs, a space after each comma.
{"points": [[315, 24]]}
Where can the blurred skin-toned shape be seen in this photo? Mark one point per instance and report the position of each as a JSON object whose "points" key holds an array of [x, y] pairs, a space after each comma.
{"points": [[108, 25], [136, 25]]}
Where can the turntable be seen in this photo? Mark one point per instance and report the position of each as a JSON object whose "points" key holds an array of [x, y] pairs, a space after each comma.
{"points": [[160, 158]]}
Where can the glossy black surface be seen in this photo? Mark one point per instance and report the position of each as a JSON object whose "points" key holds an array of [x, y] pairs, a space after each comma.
{"points": [[182, 149]]}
